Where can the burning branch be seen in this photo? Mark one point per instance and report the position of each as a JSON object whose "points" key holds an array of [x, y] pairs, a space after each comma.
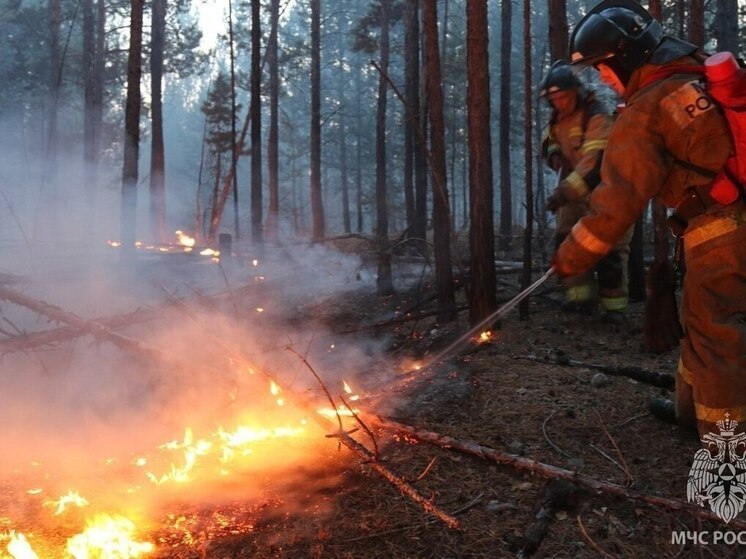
{"points": [[552, 472], [371, 458]]}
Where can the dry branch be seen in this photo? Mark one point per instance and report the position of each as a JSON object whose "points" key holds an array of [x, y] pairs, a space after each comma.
{"points": [[28, 341], [88, 326], [662, 380], [344, 437], [552, 472]]}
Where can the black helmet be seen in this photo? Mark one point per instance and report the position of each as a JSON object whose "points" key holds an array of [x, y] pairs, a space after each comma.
{"points": [[559, 78], [620, 29]]}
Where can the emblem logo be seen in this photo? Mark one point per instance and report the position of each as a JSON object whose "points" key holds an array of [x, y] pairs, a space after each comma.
{"points": [[718, 474]]}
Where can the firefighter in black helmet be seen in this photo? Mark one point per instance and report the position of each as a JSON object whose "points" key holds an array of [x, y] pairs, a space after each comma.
{"points": [[671, 142], [573, 146]]}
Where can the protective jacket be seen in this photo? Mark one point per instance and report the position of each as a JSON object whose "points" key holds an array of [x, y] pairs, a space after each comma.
{"points": [[667, 127]]}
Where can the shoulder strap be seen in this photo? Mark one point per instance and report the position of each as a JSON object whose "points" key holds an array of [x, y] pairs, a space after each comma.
{"points": [[665, 72]]}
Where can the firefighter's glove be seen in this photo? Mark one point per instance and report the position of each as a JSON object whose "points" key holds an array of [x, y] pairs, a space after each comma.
{"points": [[558, 198], [662, 326], [558, 163]]}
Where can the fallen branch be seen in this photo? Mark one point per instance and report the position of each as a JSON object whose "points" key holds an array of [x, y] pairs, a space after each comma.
{"points": [[662, 380], [552, 472], [27, 341], [87, 326], [370, 458]]}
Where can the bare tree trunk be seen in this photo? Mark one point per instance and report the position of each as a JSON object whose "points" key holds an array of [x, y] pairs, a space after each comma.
{"points": [[358, 152], [49, 201], [681, 16], [344, 175], [257, 233], [411, 79], [317, 205], [234, 138], [89, 52], [441, 209], [481, 232], [557, 29], [384, 282], [654, 7], [132, 131], [157, 155], [726, 25], [697, 22], [418, 223], [528, 157], [506, 196], [273, 140]]}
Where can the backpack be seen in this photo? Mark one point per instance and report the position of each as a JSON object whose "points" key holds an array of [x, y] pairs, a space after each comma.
{"points": [[725, 82]]}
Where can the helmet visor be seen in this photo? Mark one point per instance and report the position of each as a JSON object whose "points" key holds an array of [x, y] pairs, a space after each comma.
{"points": [[579, 61]]}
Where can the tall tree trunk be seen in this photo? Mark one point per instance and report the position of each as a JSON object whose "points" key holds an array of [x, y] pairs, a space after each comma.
{"points": [[681, 16], [654, 7], [481, 232], [98, 81], [273, 140], [441, 209], [697, 22], [506, 195], [384, 282], [89, 53], [528, 158], [132, 130], [50, 200], [726, 25], [257, 232], [557, 29], [157, 155], [411, 83], [358, 150], [417, 172], [234, 138], [317, 205]]}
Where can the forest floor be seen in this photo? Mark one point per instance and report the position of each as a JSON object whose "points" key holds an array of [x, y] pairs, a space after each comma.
{"points": [[515, 395]]}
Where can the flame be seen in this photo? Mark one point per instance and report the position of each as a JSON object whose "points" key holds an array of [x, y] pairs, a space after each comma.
{"points": [[114, 244], [275, 391], [255, 262], [107, 537], [185, 239], [484, 337], [346, 387], [18, 546], [72, 498], [191, 449]]}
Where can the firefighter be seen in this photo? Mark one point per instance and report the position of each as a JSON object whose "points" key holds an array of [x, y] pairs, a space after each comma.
{"points": [[669, 143], [573, 146]]}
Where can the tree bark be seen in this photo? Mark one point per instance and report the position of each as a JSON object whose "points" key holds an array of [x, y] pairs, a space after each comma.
{"points": [[411, 86], [157, 154], [273, 211], [384, 282], [132, 131], [557, 30], [528, 159], [89, 78], [441, 209], [726, 25], [697, 22], [317, 206], [233, 178], [257, 232], [506, 202], [482, 301]]}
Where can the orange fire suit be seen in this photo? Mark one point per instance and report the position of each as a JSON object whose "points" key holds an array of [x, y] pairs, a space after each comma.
{"points": [[581, 138], [666, 123]]}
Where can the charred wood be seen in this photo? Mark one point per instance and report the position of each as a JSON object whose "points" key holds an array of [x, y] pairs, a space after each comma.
{"points": [[552, 472], [654, 378]]}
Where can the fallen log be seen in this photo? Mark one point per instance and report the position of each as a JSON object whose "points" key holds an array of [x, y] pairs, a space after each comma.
{"points": [[654, 378], [549, 471], [28, 341], [97, 330]]}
